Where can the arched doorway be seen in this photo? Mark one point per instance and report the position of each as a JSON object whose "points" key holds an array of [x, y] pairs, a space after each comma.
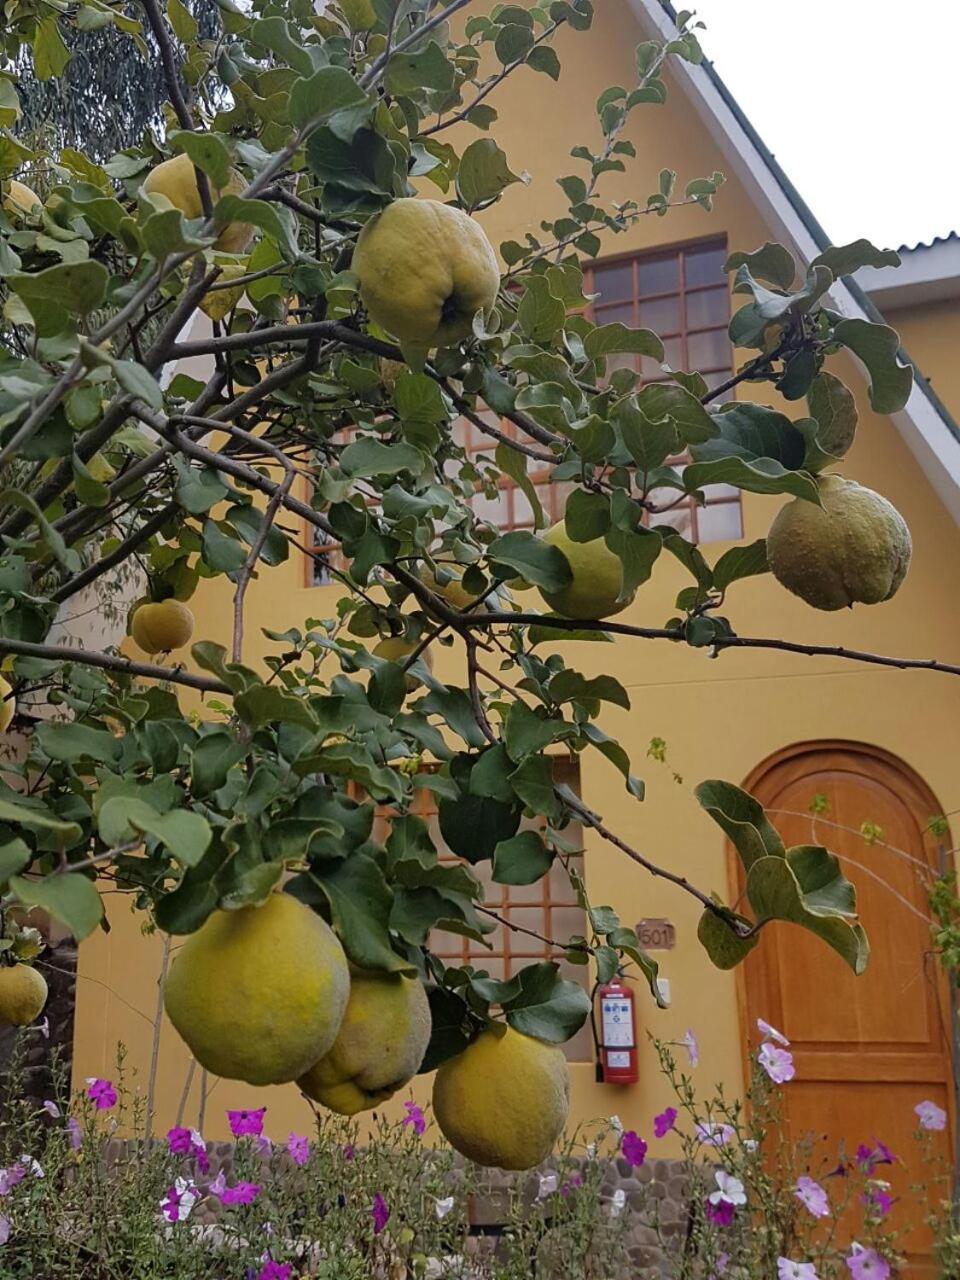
{"points": [[867, 1049]]}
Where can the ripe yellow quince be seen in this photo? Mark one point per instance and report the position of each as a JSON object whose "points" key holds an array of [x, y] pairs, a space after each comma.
{"points": [[503, 1102], [425, 270], [856, 547], [597, 578], [258, 994], [396, 649], [379, 1048], [8, 705], [23, 993], [158, 628], [176, 180], [20, 200]]}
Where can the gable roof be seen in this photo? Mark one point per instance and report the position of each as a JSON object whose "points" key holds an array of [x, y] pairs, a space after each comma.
{"points": [[924, 423], [928, 273]]}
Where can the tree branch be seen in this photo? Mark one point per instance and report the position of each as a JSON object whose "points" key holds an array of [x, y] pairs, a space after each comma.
{"points": [[246, 572], [112, 662]]}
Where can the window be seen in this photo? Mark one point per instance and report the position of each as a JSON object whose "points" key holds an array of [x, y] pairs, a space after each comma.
{"points": [[548, 908], [682, 295]]}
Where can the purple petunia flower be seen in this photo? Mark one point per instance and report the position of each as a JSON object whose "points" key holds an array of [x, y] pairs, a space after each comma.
{"points": [[380, 1213], [867, 1264], [10, 1177], [777, 1063], [181, 1198], [931, 1116], [692, 1046], [180, 1141], [74, 1133], [812, 1196], [712, 1134], [275, 1270], [101, 1093], [246, 1123], [242, 1193], [721, 1213], [4, 1229], [633, 1148], [298, 1149], [771, 1033], [877, 1202], [664, 1122], [787, 1270], [349, 1151], [568, 1188], [414, 1117], [51, 1108]]}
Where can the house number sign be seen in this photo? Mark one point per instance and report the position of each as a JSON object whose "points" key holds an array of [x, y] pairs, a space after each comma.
{"points": [[657, 935]]}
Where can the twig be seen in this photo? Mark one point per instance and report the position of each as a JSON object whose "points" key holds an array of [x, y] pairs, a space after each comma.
{"points": [[476, 698], [246, 571], [155, 1048], [112, 662], [374, 73], [185, 1094], [118, 555], [532, 933]]}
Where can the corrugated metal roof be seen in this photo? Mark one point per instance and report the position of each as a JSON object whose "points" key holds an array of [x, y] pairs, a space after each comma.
{"points": [[928, 244]]}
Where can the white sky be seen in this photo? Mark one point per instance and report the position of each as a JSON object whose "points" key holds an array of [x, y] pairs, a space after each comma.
{"points": [[879, 80]]}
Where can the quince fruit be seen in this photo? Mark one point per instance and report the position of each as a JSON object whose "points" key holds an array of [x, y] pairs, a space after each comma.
{"points": [[503, 1102], [597, 578], [396, 649], [176, 180], [854, 548], [452, 590], [379, 1048], [8, 705], [23, 993], [20, 200], [258, 994], [158, 628], [425, 270]]}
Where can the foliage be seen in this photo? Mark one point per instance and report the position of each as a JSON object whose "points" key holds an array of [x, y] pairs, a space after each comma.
{"points": [[327, 118]]}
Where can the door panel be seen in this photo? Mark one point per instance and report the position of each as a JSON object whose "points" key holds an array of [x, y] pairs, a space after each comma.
{"points": [[867, 1049]]}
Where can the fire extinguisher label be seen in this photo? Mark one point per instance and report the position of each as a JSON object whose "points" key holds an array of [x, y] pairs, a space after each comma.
{"points": [[618, 1059], [617, 1024]]}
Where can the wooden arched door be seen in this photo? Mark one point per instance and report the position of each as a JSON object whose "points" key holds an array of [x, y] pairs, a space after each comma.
{"points": [[867, 1049]]}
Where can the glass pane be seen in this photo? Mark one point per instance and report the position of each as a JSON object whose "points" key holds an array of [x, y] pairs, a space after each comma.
{"points": [[446, 944], [613, 281], [492, 509], [662, 315], [622, 312], [659, 275], [714, 492], [720, 522], [704, 266], [565, 922], [710, 306], [528, 918], [678, 518], [561, 890], [522, 510], [709, 350], [493, 940], [494, 965], [714, 379], [461, 430], [527, 893]]}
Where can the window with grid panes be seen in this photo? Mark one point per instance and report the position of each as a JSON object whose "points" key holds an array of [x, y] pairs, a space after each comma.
{"points": [[548, 908], [682, 295]]}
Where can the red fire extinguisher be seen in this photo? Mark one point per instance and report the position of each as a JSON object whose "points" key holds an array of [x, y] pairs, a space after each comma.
{"points": [[618, 1039]]}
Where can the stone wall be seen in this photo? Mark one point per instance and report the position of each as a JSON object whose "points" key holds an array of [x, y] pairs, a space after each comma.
{"points": [[51, 1037]]}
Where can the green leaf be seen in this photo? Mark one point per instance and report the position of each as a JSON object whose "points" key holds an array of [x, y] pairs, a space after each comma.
{"points": [[35, 816], [221, 552], [314, 99], [212, 759], [609, 338], [772, 262], [473, 826], [14, 856], [208, 153], [524, 859], [845, 259], [184, 24], [544, 59], [455, 709], [360, 900], [533, 783], [266, 704], [482, 174], [514, 464], [637, 550], [571, 686], [832, 426], [50, 54], [490, 776], [877, 346], [366, 458], [528, 730], [74, 742], [187, 835], [248, 522], [743, 820], [725, 948], [423, 68], [586, 516], [760, 475], [78, 287], [536, 561], [617, 756], [693, 423], [540, 315], [740, 562], [650, 443], [547, 1007], [71, 899]]}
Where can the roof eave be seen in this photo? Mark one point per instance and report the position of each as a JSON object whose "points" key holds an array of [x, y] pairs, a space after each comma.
{"points": [[924, 422]]}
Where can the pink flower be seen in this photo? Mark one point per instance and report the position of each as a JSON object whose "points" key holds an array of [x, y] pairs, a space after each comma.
{"points": [[180, 1141], [218, 1185], [298, 1149], [867, 1264], [633, 1148], [868, 1158], [692, 1047], [275, 1271], [568, 1188], [380, 1213], [242, 1193], [10, 1177], [664, 1122], [777, 1063], [931, 1116], [713, 1135], [884, 1154], [349, 1151], [101, 1093], [813, 1196], [721, 1214], [414, 1116], [787, 1270], [723, 1261], [264, 1146], [74, 1134], [771, 1033], [243, 1123], [877, 1202]]}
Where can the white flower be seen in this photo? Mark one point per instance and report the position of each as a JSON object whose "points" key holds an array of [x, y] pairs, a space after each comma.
{"points": [[548, 1184], [444, 1206], [750, 1144], [771, 1033], [4, 1230], [712, 1134], [43, 1027], [616, 1123], [51, 1109], [618, 1203], [34, 1166], [729, 1188]]}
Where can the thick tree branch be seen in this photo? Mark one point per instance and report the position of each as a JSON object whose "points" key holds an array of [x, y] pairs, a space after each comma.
{"points": [[113, 662], [246, 572]]}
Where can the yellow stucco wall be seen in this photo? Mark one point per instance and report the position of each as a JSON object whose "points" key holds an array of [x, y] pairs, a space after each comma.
{"points": [[931, 334], [719, 717]]}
